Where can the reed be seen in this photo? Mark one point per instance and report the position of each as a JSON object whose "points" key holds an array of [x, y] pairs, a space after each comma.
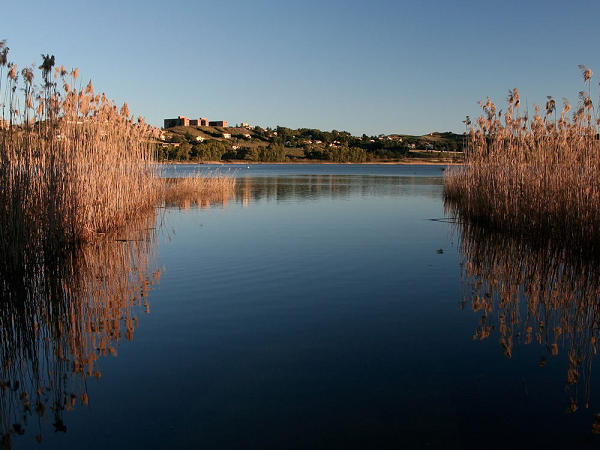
{"points": [[536, 176], [73, 165], [201, 188]]}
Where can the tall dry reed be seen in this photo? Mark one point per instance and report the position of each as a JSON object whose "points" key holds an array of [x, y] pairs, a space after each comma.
{"points": [[72, 164], [537, 176]]}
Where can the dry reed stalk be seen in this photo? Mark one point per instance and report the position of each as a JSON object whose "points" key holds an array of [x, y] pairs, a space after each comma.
{"points": [[534, 177]]}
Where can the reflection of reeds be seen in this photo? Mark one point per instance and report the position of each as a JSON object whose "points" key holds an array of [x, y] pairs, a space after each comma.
{"points": [[533, 176], [56, 322], [74, 170], [529, 294]]}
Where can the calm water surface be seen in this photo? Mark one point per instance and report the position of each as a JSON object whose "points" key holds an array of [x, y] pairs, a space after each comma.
{"points": [[323, 307]]}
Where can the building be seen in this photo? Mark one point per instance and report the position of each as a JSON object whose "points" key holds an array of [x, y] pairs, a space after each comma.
{"points": [[181, 121], [202, 122]]}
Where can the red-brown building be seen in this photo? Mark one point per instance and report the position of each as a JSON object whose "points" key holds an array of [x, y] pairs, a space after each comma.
{"points": [[181, 121], [202, 122]]}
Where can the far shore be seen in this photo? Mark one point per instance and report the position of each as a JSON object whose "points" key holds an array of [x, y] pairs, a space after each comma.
{"points": [[412, 161]]}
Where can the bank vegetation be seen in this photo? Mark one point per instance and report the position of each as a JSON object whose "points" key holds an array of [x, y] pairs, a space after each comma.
{"points": [[282, 144]]}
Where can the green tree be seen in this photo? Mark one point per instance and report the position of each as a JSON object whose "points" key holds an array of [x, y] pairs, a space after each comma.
{"points": [[183, 151], [211, 150], [253, 154], [272, 153]]}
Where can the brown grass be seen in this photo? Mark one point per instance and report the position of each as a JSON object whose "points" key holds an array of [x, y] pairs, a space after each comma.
{"points": [[538, 176]]}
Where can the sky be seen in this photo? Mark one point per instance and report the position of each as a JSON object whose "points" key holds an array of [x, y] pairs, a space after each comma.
{"points": [[376, 67]]}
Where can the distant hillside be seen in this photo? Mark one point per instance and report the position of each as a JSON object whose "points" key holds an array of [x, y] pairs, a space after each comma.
{"points": [[286, 144]]}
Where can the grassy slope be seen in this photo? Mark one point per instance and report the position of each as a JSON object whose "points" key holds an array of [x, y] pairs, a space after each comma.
{"points": [[257, 139]]}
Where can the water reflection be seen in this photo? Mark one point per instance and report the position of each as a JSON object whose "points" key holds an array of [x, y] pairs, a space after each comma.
{"points": [[338, 187], [201, 202], [56, 322], [534, 294]]}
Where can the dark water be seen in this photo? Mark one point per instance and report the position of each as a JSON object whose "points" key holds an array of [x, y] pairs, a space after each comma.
{"points": [[322, 307]]}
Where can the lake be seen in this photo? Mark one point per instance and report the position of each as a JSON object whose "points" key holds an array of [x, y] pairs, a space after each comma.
{"points": [[321, 307]]}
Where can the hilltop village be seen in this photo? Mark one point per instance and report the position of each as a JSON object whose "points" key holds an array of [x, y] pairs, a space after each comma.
{"points": [[201, 140]]}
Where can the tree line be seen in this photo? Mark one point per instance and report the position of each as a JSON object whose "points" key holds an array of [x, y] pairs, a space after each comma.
{"points": [[285, 144]]}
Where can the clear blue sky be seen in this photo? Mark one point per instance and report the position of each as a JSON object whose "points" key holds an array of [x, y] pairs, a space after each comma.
{"points": [[409, 67]]}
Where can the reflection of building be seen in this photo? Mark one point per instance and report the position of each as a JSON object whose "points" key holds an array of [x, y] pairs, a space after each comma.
{"points": [[251, 190]]}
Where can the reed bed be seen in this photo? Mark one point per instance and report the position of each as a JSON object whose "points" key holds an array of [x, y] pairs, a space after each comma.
{"points": [[201, 188], [73, 165], [79, 188], [536, 176]]}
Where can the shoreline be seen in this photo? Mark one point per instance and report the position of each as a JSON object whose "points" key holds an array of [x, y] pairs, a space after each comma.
{"points": [[248, 163]]}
